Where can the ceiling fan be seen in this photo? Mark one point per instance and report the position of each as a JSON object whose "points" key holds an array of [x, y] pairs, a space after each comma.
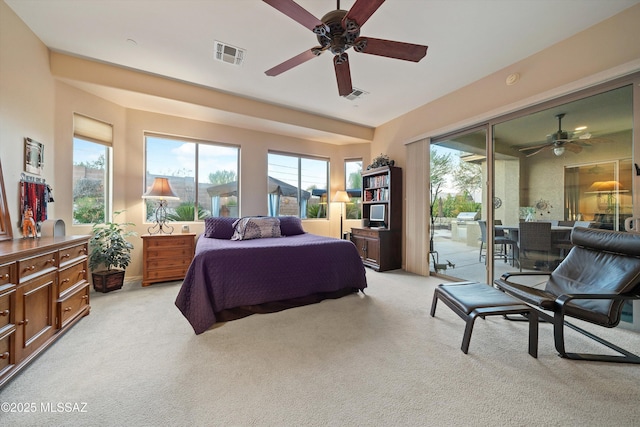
{"points": [[338, 31], [561, 141]]}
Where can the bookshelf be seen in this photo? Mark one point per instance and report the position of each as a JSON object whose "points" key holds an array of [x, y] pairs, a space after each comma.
{"points": [[379, 239]]}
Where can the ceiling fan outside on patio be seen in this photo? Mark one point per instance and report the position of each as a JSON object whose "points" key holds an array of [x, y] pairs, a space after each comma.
{"points": [[338, 31], [562, 140]]}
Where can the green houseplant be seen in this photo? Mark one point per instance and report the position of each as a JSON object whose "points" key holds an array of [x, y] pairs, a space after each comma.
{"points": [[111, 250]]}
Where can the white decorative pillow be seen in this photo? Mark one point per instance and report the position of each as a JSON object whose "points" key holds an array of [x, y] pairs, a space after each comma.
{"points": [[256, 228]]}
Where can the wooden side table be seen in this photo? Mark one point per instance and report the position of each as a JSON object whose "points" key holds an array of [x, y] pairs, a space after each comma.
{"points": [[166, 257]]}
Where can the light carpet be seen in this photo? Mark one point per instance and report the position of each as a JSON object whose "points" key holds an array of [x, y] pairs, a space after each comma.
{"points": [[374, 360]]}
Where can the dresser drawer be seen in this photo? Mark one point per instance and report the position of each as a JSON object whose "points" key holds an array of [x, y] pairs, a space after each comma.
{"points": [[166, 274], [170, 241], [29, 268], [72, 254], [7, 306], [7, 352], [7, 274], [71, 306], [169, 252], [172, 263], [365, 233], [70, 276]]}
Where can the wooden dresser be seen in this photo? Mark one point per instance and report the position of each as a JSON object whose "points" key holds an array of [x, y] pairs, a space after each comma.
{"points": [[166, 257], [43, 291]]}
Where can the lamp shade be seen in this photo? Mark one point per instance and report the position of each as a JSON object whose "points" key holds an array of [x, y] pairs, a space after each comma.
{"points": [[341, 197], [606, 187], [160, 190]]}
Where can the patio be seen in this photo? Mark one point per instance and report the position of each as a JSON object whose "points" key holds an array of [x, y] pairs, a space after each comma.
{"points": [[463, 255]]}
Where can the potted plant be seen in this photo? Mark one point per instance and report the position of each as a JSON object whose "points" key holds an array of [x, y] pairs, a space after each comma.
{"points": [[111, 250]]}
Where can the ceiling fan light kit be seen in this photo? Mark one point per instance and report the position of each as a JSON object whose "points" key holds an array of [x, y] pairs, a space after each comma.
{"points": [[338, 31]]}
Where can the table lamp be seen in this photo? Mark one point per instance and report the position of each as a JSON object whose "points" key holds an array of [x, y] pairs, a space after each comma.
{"points": [[161, 191]]}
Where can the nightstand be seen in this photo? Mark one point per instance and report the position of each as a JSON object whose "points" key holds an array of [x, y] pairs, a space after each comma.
{"points": [[166, 257]]}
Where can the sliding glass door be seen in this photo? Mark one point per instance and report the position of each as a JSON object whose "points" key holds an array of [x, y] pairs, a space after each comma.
{"points": [[560, 164], [457, 173]]}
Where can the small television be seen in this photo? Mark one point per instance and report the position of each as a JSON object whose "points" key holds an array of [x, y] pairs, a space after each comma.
{"points": [[376, 216]]}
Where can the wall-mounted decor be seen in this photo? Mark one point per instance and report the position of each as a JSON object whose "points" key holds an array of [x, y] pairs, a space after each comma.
{"points": [[34, 196], [33, 156]]}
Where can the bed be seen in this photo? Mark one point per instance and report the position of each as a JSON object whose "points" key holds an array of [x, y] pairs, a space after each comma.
{"points": [[229, 279]]}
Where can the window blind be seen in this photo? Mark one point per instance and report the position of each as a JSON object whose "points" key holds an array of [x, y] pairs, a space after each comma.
{"points": [[93, 130]]}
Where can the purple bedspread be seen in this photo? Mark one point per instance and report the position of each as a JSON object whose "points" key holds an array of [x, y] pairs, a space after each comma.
{"points": [[226, 274]]}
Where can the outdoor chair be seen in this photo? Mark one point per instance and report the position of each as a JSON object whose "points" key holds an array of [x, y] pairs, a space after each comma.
{"points": [[499, 240], [592, 284], [534, 244]]}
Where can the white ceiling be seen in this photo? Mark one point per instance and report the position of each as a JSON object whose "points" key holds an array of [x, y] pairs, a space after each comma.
{"points": [[467, 39]]}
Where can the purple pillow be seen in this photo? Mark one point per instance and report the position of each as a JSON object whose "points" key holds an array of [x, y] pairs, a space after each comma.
{"points": [[290, 225], [219, 227]]}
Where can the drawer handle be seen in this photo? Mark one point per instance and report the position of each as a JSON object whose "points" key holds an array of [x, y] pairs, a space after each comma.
{"points": [[5, 276], [66, 280], [4, 355], [66, 309], [83, 271], [66, 255], [4, 313], [50, 261], [85, 297], [33, 267], [24, 322]]}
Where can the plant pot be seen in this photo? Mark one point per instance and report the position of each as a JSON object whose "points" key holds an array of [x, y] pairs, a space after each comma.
{"points": [[107, 280]]}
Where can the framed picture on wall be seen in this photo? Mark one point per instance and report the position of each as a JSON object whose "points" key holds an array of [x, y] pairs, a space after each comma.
{"points": [[33, 156]]}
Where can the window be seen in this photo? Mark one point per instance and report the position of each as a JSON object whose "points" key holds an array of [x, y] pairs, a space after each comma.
{"points": [[297, 186], [91, 169], [203, 175], [353, 185]]}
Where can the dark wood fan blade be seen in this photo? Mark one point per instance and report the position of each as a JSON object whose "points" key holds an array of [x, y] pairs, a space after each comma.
{"points": [[295, 61], [361, 11], [296, 12], [343, 74], [390, 49]]}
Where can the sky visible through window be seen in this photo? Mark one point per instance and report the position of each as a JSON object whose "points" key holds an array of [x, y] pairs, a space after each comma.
{"points": [[86, 152], [285, 168], [177, 158]]}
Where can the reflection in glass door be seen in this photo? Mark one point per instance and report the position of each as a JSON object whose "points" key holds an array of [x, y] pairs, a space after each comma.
{"points": [[599, 193]]}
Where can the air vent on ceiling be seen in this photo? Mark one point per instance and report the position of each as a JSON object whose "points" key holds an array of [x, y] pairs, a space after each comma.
{"points": [[229, 54], [357, 93]]}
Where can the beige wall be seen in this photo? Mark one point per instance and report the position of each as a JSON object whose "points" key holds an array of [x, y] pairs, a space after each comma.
{"points": [[26, 104], [33, 104]]}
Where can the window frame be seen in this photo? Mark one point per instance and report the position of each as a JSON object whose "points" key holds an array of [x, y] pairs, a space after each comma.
{"points": [[93, 131], [300, 158], [357, 201], [198, 143]]}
